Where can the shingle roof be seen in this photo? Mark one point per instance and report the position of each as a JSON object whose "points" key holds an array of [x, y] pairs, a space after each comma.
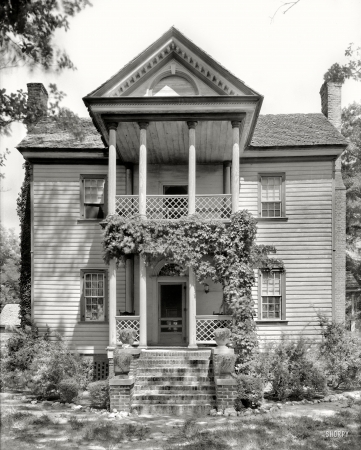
{"points": [[281, 130], [10, 315], [293, 130], [48, 134]]}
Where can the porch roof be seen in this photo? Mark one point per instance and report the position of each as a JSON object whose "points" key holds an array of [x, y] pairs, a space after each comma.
{"points": [[271, 131]]}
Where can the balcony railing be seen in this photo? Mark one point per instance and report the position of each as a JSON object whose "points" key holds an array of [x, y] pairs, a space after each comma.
{"points": [[212, 207], [206, 325]]}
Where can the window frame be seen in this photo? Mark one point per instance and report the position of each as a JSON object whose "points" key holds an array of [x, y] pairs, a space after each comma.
{"points": [[281, 175], [92, 176], [283, 297], [83, 272]]}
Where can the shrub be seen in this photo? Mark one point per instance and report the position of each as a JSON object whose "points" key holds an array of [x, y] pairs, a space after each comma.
{"points": [[127, 335], [99, 393], [68, 389], [295, 371], [226, 363], [249, 391], [222, 333], [38, 363], [340, 351], [122, 360]]}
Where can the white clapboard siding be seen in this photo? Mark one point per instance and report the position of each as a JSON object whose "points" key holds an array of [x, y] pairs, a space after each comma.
{"points": [[304, 242], [62, 247]]}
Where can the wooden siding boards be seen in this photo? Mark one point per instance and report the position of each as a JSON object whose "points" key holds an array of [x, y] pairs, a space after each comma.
{"points": [[304, 242], [62, 247]]}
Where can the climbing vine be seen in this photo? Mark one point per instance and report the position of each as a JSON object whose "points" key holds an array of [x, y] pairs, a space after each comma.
{"points": [[225, 254], [23, 210]]}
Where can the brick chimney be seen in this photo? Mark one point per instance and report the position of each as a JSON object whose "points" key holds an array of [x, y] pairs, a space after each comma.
{"points": [[37, 102], [331, 102]]}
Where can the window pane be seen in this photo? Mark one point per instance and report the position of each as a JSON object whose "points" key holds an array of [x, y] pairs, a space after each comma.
{"points": [[94, 190]]}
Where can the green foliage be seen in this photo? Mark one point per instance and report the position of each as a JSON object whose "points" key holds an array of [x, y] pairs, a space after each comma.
{"points": [[9, 267], [122, 360], [295, 371], [41, 362], [68, 389], [351, 174], [222, 334], [226, 255], [99, 393], [27, 30], [352, 70], [226, 363], [127, 335], [340, 351], [23, 210], [249, 391]]}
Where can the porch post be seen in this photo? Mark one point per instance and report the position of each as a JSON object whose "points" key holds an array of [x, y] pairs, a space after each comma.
{"points": [[235, 166], [192, 343], [142, 211], [112, 184], [129, 264], [227, 177]]}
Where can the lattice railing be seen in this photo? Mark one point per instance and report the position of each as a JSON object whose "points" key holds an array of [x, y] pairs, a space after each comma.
{"points": [[127, 205], [167, 206], [206, 325], [123, 322], [214, 206]]}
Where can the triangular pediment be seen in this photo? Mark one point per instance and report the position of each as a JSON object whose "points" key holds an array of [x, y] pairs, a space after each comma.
{"points": [[173, 66]]}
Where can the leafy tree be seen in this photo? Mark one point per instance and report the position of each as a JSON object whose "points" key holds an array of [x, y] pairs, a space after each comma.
{"points": [[27, 30], [9, 267], [352, 70], [351, 173]]}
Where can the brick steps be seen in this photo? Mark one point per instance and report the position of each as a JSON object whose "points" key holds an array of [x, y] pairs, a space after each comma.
{"points": [[174, 382]]}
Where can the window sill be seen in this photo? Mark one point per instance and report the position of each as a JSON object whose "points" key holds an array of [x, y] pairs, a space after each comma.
{"points": [[92, 221], [87, 322], [271, 321], [272, 219]]}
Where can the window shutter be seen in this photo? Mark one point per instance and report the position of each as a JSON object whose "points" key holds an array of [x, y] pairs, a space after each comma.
{"points": [[82, 298]]}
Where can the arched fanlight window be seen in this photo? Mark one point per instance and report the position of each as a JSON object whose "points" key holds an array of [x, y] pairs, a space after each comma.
{"points": [[171, 270]]}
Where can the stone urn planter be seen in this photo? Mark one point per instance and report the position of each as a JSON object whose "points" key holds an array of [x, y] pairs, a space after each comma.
{"points": [[221, 336], [122, 361], [127, 337]]}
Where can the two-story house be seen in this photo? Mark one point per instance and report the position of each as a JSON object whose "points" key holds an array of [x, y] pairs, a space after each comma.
{"points": [[175, 133]]}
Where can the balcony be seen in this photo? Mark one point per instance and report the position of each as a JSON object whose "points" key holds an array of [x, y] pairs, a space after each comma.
{"points": [[172, 207]]}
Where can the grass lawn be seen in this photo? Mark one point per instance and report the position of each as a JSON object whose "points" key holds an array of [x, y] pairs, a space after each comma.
{"points": [[25, 426]]}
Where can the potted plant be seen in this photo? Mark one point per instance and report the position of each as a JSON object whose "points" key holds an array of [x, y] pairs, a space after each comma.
{"points": [[127, 337], [221, 336]]}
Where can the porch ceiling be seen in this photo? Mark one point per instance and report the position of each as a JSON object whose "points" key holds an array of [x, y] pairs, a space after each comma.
{"points": [[167, 142]]}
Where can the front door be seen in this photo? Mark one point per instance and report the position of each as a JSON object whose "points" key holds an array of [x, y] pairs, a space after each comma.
{"points": [[171, 314]]}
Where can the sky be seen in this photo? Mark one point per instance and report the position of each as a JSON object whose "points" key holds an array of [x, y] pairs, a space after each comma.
{"points": [[283, 59]]}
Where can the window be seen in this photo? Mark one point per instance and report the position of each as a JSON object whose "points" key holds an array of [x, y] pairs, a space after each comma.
{"points": [[93, 196], [272, 196], [93, 299], [271, 304]]}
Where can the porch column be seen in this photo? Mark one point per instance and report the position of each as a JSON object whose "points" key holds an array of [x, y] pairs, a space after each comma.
{"points": [[235, 166], [227, 177], [112, 184], [142, 211], [129, 264], [191, 210]]}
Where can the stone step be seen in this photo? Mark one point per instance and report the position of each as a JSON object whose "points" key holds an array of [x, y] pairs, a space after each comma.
{"points": [[175, 369], [178, 387], [166, 399], [175, 353], [175, 392], [154, 379], [175, 410], [168, 361]]}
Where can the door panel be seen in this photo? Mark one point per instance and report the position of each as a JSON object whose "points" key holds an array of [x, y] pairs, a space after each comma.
{"points": [[171, 314]]}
